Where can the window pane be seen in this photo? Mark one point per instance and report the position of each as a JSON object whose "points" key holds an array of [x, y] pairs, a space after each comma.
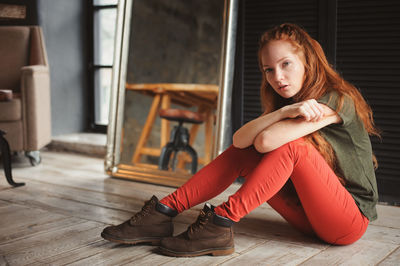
{"points": [[102, 89], [105, 2], [104, 32]]}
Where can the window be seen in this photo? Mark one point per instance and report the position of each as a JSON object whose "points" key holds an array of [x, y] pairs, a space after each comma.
{"points": [[104, 15]]}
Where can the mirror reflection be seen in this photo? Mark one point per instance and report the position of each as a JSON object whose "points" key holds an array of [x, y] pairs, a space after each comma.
{"points": [[172, 85]]}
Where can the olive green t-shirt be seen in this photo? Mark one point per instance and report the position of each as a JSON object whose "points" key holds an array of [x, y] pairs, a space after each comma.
{"points": [[352, 146]]}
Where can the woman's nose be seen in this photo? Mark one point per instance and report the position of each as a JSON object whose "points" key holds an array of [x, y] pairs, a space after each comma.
{"points": [[278, 75]]}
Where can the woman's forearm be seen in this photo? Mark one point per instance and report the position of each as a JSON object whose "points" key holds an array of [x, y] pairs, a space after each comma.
{"points": [[244, 136], [312, 116]]}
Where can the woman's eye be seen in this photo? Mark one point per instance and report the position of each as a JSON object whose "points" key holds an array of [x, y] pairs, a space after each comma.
{"points": [[286, 63], [267, 70]]}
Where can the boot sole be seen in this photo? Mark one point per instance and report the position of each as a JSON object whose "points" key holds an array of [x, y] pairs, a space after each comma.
{"points": [[152, 241], [213, 252]]}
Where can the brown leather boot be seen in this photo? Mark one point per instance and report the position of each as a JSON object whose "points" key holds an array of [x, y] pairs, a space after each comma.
{"points": [[149, 225], [210, 234]]}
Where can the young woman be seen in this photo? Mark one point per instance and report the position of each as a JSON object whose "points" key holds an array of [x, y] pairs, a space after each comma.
{"points": [[309, 156]]}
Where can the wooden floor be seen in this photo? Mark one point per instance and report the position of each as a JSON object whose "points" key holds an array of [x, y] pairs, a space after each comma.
{"points": [[56, 219]]}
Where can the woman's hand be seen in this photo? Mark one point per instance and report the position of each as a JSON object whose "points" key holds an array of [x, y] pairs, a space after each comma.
{"points": [[310, 110]]}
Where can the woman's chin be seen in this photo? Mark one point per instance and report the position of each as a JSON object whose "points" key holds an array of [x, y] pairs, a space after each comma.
{"points": [[286, 95]]}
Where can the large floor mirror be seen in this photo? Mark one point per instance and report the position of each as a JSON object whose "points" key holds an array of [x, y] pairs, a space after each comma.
{"points": [[172, 81]]}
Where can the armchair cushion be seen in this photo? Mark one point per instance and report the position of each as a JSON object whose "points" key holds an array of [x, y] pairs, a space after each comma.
{"points": [[14, 54], [10, 110]]}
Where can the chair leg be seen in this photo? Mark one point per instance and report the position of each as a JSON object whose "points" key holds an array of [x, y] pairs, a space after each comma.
{"points": [[34, 157], [5, 154]]}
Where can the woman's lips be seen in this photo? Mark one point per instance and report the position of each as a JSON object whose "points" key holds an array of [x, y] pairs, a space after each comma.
{"points": [[284, 87]]}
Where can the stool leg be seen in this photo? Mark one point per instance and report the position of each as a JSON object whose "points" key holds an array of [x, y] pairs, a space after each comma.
{"points": [[165, 156], [5, 153], [179, 141], [173, 164], [171, 146], [192, 154]]}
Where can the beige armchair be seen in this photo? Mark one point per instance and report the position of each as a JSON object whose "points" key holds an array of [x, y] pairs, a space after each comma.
{"points": [[24, 70]]}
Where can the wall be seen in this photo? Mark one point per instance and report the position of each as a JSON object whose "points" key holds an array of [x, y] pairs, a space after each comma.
{"points": [[65, 31]]}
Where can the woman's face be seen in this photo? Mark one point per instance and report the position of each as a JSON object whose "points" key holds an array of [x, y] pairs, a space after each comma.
{"points": [[283, 68]]}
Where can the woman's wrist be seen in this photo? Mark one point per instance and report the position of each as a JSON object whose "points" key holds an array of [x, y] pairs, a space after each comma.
{"points": [[282, 113]]}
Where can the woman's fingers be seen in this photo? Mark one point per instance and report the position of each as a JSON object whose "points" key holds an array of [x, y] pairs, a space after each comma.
{"points": [[317, 109], [311, 110], [306, 112]]}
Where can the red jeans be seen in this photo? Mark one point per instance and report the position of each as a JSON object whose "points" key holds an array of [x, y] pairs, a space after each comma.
{"points": [[294, 179]]}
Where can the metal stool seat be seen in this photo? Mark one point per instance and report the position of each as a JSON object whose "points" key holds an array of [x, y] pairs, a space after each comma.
{"points": [[179, 139]]}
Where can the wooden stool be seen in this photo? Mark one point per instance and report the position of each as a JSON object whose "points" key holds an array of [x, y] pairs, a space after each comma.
{"points": [[179, 140]]}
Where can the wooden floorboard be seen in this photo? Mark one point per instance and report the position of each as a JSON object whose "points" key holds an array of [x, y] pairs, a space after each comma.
{"points": [[19, 222], [49, 202], [363, 252], [57, 218], [275, 253], [392, 259], [106, 253], [39, 246]]}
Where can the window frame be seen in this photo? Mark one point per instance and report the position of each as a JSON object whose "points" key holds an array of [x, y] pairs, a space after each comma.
{"points": [[93, 67]]}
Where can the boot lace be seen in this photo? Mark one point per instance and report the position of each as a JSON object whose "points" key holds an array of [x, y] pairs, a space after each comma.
{"points": [[201, 221], [148, 206]]}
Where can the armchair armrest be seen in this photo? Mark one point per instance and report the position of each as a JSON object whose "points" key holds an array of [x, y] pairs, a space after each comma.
{"points": [[36, 102]]}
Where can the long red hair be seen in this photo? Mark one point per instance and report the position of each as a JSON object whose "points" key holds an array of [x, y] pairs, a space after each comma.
{"points": [[320, 78]]}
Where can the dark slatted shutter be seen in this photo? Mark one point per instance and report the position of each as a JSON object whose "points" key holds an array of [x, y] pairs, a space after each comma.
{"points": [[258, 17], [368, 55]]}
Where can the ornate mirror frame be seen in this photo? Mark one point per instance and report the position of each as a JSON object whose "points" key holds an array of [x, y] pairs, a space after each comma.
{"points": [[112, 164]]}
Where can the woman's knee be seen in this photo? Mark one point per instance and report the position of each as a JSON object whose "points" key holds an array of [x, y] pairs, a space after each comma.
{"points": [[295, 147], [348, 235]]}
